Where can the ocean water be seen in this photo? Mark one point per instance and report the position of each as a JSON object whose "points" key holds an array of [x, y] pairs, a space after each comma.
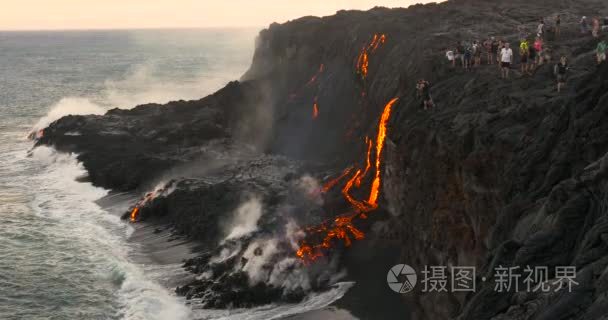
{"points": [[62, 256]]}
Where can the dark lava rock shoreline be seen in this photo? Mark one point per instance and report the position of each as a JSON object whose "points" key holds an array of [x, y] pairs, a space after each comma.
{"points": [[501, 172]]}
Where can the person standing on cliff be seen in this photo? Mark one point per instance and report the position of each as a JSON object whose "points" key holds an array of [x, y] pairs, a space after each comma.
{"points": [[523, 34], [501, 45], [524, 52], [540, 30], [477, 53], [459, 53], [468, 56], [506, 57], [595, 31], [584, 25], [531, 59], [601, 51], [558, 24], [450, 55], [488, 47], [495, 50], [561, 72], [423, 90], [538, 48]]}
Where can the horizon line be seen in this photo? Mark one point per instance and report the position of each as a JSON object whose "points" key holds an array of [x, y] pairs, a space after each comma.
{"points": [[128, 28]]}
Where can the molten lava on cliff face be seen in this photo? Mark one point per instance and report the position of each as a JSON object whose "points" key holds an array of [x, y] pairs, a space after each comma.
{"points": [[343, 227], [366, 51]]}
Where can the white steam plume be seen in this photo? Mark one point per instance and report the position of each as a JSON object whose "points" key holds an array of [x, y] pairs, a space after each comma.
{"points": [[288, 274], [68, 106], [141, 86], [258, 256], [245, 219], [311, 187]]}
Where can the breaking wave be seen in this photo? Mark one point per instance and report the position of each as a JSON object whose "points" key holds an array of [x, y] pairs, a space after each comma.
{"points": [[272, 312], [99, 239], [68, 106]]}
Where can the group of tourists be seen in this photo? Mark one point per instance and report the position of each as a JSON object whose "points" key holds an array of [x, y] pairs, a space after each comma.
{"points": [[499, 51], [532, 53], [468, 54], [595, 25]]}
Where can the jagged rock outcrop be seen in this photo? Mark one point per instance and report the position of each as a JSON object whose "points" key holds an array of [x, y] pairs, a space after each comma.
{"points": [[501, 172]]}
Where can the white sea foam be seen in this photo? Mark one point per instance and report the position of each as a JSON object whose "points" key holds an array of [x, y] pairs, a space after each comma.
{"points": [[272, 312], [101, 236], [68, 106]]}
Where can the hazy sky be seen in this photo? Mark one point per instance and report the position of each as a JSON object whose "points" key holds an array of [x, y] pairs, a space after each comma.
{"points": [[95, 14]]}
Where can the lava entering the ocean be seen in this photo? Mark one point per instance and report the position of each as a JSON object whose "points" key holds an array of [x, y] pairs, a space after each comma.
{"points": [[134, 214], [147, 198], [342, 227], [160, 190], [366, 51]]}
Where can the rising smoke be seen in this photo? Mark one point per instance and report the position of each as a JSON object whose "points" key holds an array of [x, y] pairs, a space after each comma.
{"points": [[245, 218]]}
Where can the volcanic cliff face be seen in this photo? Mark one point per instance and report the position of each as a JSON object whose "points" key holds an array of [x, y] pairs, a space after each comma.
{"points": [[500, 173]]}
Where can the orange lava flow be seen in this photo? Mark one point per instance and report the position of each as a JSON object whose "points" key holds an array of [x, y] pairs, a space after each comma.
{"points": [[366, 51], [342, 228], [363, 63], [368, 162], [379, 39], [147, 198], [134, 214], [315, 110], [316, 76], [330, 184], [314, 79], [386, 114]]}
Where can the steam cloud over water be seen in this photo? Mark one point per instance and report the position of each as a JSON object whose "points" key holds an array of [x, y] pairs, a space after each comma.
{"points": [[68, 106], [245, 218]]}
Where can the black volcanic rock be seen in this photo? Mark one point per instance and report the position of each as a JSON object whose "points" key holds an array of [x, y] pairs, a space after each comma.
{"points": [[500, 173], [124, 148]]}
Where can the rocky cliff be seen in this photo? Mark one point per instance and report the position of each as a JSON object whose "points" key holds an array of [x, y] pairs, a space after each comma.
{"points": [[500, 173]]}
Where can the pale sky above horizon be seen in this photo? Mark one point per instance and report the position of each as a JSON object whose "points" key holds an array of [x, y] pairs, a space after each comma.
{"points": [[124, 14]]}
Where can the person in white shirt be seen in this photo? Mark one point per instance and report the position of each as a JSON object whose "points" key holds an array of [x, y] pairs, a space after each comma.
{"points": [[506, 57], [540, 30], [450, 55]]}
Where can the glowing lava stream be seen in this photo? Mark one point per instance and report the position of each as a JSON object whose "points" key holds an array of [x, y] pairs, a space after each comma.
{"points": [[314, 78], [366, 51], [159, 190], [135, 212], [315, 110], [342, 227], [373, 196], [332, 183]]}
